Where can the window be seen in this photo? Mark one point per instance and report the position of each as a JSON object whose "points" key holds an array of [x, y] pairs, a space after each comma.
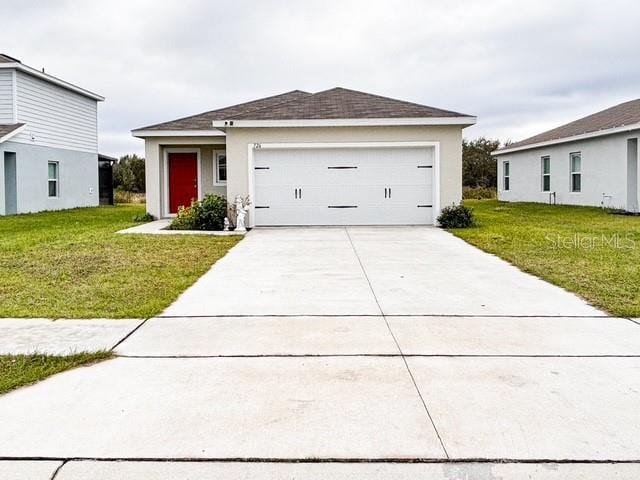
{"points": [[576, 169], [53, 179], [505, 176], [546, 174], [220, 169]]}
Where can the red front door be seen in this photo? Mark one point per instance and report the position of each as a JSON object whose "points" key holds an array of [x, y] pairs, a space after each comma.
{"points": [[183, 180]]}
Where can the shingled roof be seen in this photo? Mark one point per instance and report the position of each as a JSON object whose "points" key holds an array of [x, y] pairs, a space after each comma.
{"points": [[337, 103], [6, 129], [4, 58], [621, 115], [343, 103], [202, 121]]}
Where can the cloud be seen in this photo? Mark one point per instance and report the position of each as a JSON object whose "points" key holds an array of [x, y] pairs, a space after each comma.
{"points": [[522, 67]]}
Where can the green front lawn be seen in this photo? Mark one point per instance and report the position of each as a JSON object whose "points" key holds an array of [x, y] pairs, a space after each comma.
{"points": [[72, 264], [20, 370], [585, 250]]}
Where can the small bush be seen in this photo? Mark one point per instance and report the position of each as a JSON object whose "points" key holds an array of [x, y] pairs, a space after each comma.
{"points": [[478, 193], [456, 216], [143, 218], [185, 219], [212, 211], [206, 214]]}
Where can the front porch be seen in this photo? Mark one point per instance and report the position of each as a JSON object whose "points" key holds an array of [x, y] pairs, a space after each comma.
{"points": [[181, 169]]}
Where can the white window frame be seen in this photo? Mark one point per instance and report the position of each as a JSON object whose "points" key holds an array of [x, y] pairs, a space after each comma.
{"points": [[575, 172], [542, 160], [56, 179], [216, 168], [506, 176]]}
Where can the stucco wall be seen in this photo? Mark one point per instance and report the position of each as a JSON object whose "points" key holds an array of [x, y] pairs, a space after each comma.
{"points": [[450, 138], [155, 167], [604, 171], [78, 177], [238, 140]]}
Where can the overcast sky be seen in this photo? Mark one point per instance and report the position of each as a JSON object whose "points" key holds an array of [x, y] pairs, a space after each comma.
{"points": [[520, 66]]}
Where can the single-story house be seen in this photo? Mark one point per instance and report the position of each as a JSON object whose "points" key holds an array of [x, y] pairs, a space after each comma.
{"points": [[592, 161], [48, 141], [337, 157]]}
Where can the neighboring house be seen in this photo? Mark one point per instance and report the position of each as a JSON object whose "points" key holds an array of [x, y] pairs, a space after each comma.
{"points": [[592, 161], [337, 157], [48, 141]]}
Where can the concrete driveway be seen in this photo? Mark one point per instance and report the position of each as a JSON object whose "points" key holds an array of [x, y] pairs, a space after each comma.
{"points": [[341, 347]]}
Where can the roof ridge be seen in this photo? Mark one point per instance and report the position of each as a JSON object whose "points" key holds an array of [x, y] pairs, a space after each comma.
{"points": [[246, 115], [228, 107]]}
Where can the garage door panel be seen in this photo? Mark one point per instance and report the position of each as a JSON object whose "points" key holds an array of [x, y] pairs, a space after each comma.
{"points": [[344, 186]]}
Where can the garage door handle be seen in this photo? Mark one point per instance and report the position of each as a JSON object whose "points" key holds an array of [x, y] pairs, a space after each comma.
{"points": [[386, 193], [299, 193]]}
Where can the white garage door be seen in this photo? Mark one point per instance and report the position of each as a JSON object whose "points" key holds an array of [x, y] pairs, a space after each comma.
{"points": [[343, 186]]}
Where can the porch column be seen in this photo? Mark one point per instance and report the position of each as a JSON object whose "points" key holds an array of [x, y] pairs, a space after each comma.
{"points": [[153, 179]]}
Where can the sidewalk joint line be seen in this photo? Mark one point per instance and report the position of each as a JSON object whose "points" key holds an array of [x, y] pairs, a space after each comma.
{"points": [[406, 364], [400, 460], [410, 315], [129, 334], [381, 355], [58, 468]]}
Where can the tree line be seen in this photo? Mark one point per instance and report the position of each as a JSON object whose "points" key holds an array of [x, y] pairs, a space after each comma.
{"points": [[479, 168]]}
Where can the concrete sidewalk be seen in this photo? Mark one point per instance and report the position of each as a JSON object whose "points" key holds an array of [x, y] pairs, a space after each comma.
{"points": [[62, 337], [362, 363]]}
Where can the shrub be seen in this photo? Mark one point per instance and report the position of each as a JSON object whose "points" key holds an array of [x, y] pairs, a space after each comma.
{"points": [[456, 216], [185, 219], [206, 214], [212, 211], [143, 218], [478, 193]]}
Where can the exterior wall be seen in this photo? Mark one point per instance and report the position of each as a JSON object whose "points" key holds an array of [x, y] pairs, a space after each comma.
{"points": [[55, 117], [604, 171], [6, 96], [155, 167], [450, 138], [78, 177]]}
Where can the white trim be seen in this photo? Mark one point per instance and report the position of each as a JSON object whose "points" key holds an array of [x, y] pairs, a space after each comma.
{"points": [[177, 133], [251, 147], [12, 133], [165, 158], [56, 179], [573, 172], [575, 138], [346, 122], [216, 181], [507, 176], [51, 79], [542, 174]]}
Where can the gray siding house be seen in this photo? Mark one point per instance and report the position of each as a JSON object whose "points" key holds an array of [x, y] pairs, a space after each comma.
{"points": [[48, 141], [592, 161]]}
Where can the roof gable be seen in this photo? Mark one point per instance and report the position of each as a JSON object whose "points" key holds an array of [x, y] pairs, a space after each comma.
{"points": [[627, 113]]}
